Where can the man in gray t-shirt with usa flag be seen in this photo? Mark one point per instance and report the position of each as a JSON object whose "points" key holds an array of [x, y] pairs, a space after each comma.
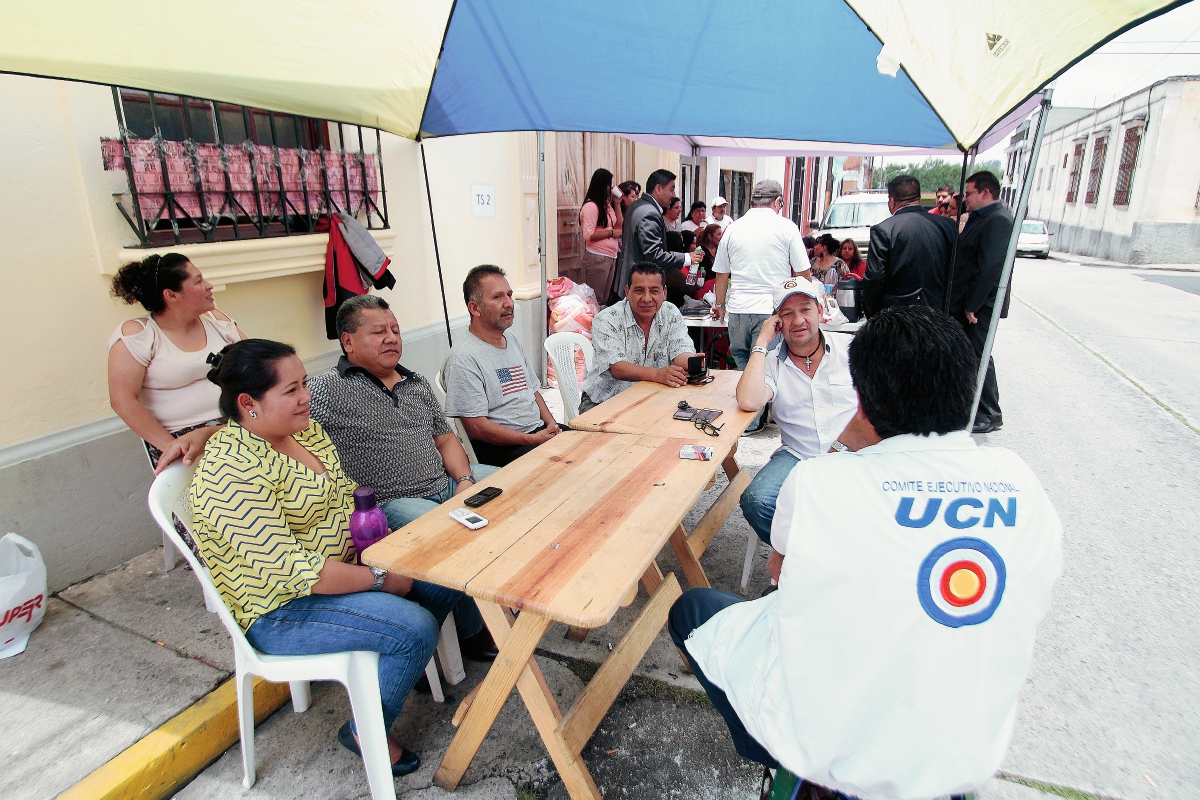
{"points": [[491, 385]]}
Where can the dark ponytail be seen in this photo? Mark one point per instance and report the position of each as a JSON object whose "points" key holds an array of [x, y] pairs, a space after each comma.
{"points": [[144, 281], [246, 367]]}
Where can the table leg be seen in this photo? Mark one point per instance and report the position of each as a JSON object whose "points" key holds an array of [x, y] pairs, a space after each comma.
{"points": [[688, 559], [708, 526], [580, 722], [539, 701], [730, 463], [651, 578], [517, 643], [576, 633]]}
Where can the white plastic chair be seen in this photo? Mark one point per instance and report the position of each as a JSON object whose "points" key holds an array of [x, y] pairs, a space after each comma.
{"points": [[357, 670], [439, 389], [170, 553], [561, 349]]}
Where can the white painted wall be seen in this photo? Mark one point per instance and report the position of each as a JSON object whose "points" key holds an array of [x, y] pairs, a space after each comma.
{"points": [[1161, 222]]}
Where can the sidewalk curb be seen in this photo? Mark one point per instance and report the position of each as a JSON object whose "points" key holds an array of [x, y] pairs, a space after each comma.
{"points": [[168, 757]]}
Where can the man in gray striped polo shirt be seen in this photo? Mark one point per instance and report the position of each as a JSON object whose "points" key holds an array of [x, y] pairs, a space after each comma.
{"points": [[392, 434]]}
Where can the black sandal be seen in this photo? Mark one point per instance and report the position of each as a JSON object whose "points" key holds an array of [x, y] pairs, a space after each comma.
{"points": [[407, 763]]}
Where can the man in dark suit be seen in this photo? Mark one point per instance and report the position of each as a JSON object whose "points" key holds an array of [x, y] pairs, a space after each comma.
{"points": [[908, 254], [644, 237], [982, 248]]}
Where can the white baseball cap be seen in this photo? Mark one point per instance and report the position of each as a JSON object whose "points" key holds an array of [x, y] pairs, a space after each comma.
{"points": [[793, 286], [718, 201]]}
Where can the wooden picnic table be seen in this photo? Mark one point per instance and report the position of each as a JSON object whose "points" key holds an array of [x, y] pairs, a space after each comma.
{"points": [[647, 408], [581, 520]]}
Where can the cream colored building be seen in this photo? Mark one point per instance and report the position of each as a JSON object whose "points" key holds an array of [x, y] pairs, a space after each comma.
{"points": [[1122, 182], [73, 478]]}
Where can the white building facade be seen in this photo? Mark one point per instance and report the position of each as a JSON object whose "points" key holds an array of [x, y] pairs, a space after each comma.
{"points": [[1123, 182]]}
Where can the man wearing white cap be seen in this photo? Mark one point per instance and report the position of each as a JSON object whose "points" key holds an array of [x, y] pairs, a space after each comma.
{"points": [[916, 570], [807, 381], [758, 252], [719, 215]]}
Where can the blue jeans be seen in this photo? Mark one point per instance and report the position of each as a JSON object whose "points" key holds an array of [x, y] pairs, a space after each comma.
{"points": [[689, 612], [758, 501], [403, 630], [743, 333], [404, 510]]}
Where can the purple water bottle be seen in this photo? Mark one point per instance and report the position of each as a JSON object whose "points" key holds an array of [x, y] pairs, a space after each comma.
{"points": [[368, 523]]}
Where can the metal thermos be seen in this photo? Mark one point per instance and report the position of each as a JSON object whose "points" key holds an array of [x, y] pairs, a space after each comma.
{"points": [[849, 297]]}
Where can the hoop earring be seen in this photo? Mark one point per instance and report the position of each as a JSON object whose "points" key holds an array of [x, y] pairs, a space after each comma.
{"points": [[253, 414]]}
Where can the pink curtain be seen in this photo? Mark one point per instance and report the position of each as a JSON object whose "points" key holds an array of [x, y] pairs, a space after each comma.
{"points": [[246, 164]]}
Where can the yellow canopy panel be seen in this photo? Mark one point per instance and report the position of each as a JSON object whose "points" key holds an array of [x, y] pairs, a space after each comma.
{"points": [[973, 61], [359, 61]]}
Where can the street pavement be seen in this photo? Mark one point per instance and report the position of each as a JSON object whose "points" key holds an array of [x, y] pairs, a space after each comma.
{"points": [[1098, 380], [1112, 705]]}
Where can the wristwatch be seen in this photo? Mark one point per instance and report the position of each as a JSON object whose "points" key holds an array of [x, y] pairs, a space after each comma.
{"points": [[758, 348], [380, 577], [839, 447], [462, 478]]}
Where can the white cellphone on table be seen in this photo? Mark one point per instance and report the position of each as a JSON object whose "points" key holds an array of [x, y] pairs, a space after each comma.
{"points": [[468, 518]]}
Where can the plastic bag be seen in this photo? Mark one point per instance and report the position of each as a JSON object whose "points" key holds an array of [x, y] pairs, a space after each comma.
{"points": [[22, 593], [572, 307]]}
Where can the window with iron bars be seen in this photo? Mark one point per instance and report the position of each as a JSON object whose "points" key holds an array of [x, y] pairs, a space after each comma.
{"points": [[203, 171], [1076, 169], [736, 187], [1096, 173], [798, 191], [1129, 154]]}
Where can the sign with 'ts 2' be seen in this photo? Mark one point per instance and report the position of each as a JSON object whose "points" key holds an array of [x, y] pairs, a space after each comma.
{"points": [[483, 200]]}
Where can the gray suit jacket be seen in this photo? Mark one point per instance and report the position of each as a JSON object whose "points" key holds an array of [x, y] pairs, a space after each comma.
{"points": [[644, 239]]}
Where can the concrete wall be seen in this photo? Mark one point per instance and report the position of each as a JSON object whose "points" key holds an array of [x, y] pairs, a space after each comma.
{"points": [[1161, 223]]}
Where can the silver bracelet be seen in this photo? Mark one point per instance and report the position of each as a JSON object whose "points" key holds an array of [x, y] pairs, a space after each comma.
{"points": [[758, 348]]}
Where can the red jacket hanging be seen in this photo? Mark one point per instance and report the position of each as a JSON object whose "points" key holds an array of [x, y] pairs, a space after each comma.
{"points": [[345, 276]]}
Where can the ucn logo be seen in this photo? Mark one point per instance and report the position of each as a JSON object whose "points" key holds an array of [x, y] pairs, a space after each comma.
{"points": [[962, 512]]}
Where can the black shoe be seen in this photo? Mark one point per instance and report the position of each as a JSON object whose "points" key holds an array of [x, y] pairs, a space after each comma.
{"points": [[986, 424], [407, 763], [762, 421], [479, 647], [422, 685]]}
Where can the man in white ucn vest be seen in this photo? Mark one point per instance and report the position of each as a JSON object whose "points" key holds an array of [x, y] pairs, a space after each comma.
{"points": [[914, 569]]}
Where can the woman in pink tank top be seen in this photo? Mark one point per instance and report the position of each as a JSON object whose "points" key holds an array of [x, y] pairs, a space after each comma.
{"points": [[157, 364]]}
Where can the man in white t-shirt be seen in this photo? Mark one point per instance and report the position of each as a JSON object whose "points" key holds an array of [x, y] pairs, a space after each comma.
{"points": [[720, 213], [807, 381], [913, 571]]}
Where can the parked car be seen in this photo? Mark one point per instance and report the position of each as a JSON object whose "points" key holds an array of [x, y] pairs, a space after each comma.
{"points": [[1034, 239], [852, 215]]}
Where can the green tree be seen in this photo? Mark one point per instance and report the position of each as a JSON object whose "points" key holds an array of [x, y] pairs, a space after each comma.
{"points": [[933, 173]]}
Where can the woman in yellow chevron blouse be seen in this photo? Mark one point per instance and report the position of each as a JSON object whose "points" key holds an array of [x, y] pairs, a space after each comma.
{"points": [[272, 509]]}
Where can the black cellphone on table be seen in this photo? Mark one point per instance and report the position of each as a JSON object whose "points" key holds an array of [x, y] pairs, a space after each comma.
{"points": [[698, 369], [482, 496]]}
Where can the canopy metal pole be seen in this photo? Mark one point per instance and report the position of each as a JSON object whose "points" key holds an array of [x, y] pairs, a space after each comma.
{"points": [[541, 304], [1006, 273], [949, 288], [437, 254]]}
